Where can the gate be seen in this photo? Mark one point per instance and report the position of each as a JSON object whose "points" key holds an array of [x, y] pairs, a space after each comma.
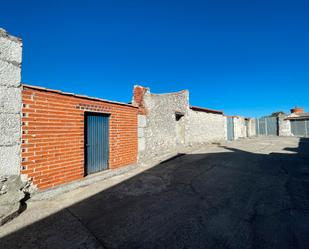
{"points": [[300, 128], [267, 126], [230, 129], [96, 142]]}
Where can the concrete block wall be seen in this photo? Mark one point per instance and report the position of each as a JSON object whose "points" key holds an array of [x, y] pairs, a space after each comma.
{"points": [[10, 103], [205, 127]]}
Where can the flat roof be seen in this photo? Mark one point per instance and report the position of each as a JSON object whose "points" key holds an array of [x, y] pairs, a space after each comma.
{"points": [[77, 95], [202, 109], [300, 116]]}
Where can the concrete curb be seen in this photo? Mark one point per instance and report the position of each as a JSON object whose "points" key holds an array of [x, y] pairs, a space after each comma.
{"points": [[50, 193]]}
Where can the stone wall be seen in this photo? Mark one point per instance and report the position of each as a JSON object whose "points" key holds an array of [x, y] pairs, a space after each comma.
{"points": [[251, 132], [205, 127], [162, 129], [240, 129], [284, 127], [10, 103], [167, 123]]}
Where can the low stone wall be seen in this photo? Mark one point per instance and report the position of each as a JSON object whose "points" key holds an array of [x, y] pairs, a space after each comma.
{"points": [[205, 127]]}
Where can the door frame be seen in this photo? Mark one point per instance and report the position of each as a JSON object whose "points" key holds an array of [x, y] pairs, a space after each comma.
{"points": [[102, 114]]}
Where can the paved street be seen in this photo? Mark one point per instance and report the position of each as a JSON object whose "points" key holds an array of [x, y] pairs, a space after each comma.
{"points": [[245, 194]]}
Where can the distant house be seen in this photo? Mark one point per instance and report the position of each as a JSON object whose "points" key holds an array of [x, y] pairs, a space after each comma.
{"points": [[298, 113], [299, 122]]}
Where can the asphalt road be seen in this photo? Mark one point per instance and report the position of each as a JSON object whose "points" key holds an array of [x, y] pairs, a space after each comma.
{"points": [[246, 194]]}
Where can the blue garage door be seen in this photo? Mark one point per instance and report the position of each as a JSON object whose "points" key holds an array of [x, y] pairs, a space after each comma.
{"points": [[267, 126], [97, 142], [300, 128], [230, 129]]}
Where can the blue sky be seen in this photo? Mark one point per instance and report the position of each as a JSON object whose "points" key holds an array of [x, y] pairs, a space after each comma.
{"points": [[246, 57]]}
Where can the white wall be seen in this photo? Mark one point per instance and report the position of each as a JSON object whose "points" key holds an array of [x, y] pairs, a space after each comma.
{"points": [[240, 129], [252, 127], [284, 127], [203, 127]]}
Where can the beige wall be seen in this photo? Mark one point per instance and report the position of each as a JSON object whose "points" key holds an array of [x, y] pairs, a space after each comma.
{"points": [[203, 127]]}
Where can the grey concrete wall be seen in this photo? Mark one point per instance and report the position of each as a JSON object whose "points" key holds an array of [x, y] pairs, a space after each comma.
{"points": [[10, 103], [159, 133], [203, 127]]}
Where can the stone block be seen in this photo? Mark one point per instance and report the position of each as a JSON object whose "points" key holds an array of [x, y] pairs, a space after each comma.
{"points": [[142, 122], [10, 129], [140, 132], [10, 74], [10, 100], [284, 127], [141, 144], [10, 160], [10, 198], [10, 49]]}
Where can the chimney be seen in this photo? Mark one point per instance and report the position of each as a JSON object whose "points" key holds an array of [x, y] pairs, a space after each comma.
{"points": [[297, 110]]}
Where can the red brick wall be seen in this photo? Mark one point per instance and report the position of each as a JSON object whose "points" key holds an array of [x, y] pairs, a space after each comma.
{"points": [[138, 98], [53, 135]]}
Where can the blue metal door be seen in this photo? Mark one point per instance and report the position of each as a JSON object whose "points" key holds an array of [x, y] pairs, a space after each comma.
{"points": [[230, 129], [97, 142]]}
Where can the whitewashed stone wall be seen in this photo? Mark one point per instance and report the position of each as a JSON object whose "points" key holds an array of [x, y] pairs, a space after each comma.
{"points": [[284, 127], [251, 127], [10, 103], [240, 129], [158, 130], [203, 127]]}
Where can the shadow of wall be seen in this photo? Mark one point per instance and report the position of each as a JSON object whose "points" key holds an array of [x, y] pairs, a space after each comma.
{"points": [[233, 199]]}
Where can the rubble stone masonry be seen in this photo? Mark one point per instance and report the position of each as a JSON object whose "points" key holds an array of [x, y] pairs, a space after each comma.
{"points": [[159, 131]]}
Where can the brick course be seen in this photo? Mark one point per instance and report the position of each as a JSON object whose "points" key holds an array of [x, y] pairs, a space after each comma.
{"points": [[53, 135]]}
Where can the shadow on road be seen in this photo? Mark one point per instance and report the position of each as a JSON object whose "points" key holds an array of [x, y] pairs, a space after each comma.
{"points": [[233, 199]]}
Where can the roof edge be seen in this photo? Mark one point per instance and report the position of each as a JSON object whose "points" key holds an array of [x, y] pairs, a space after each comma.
{"points": [[202, 109], [77, 95]]}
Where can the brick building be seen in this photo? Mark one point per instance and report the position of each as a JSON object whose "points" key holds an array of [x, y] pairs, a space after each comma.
{"points": [[57, 144]]}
